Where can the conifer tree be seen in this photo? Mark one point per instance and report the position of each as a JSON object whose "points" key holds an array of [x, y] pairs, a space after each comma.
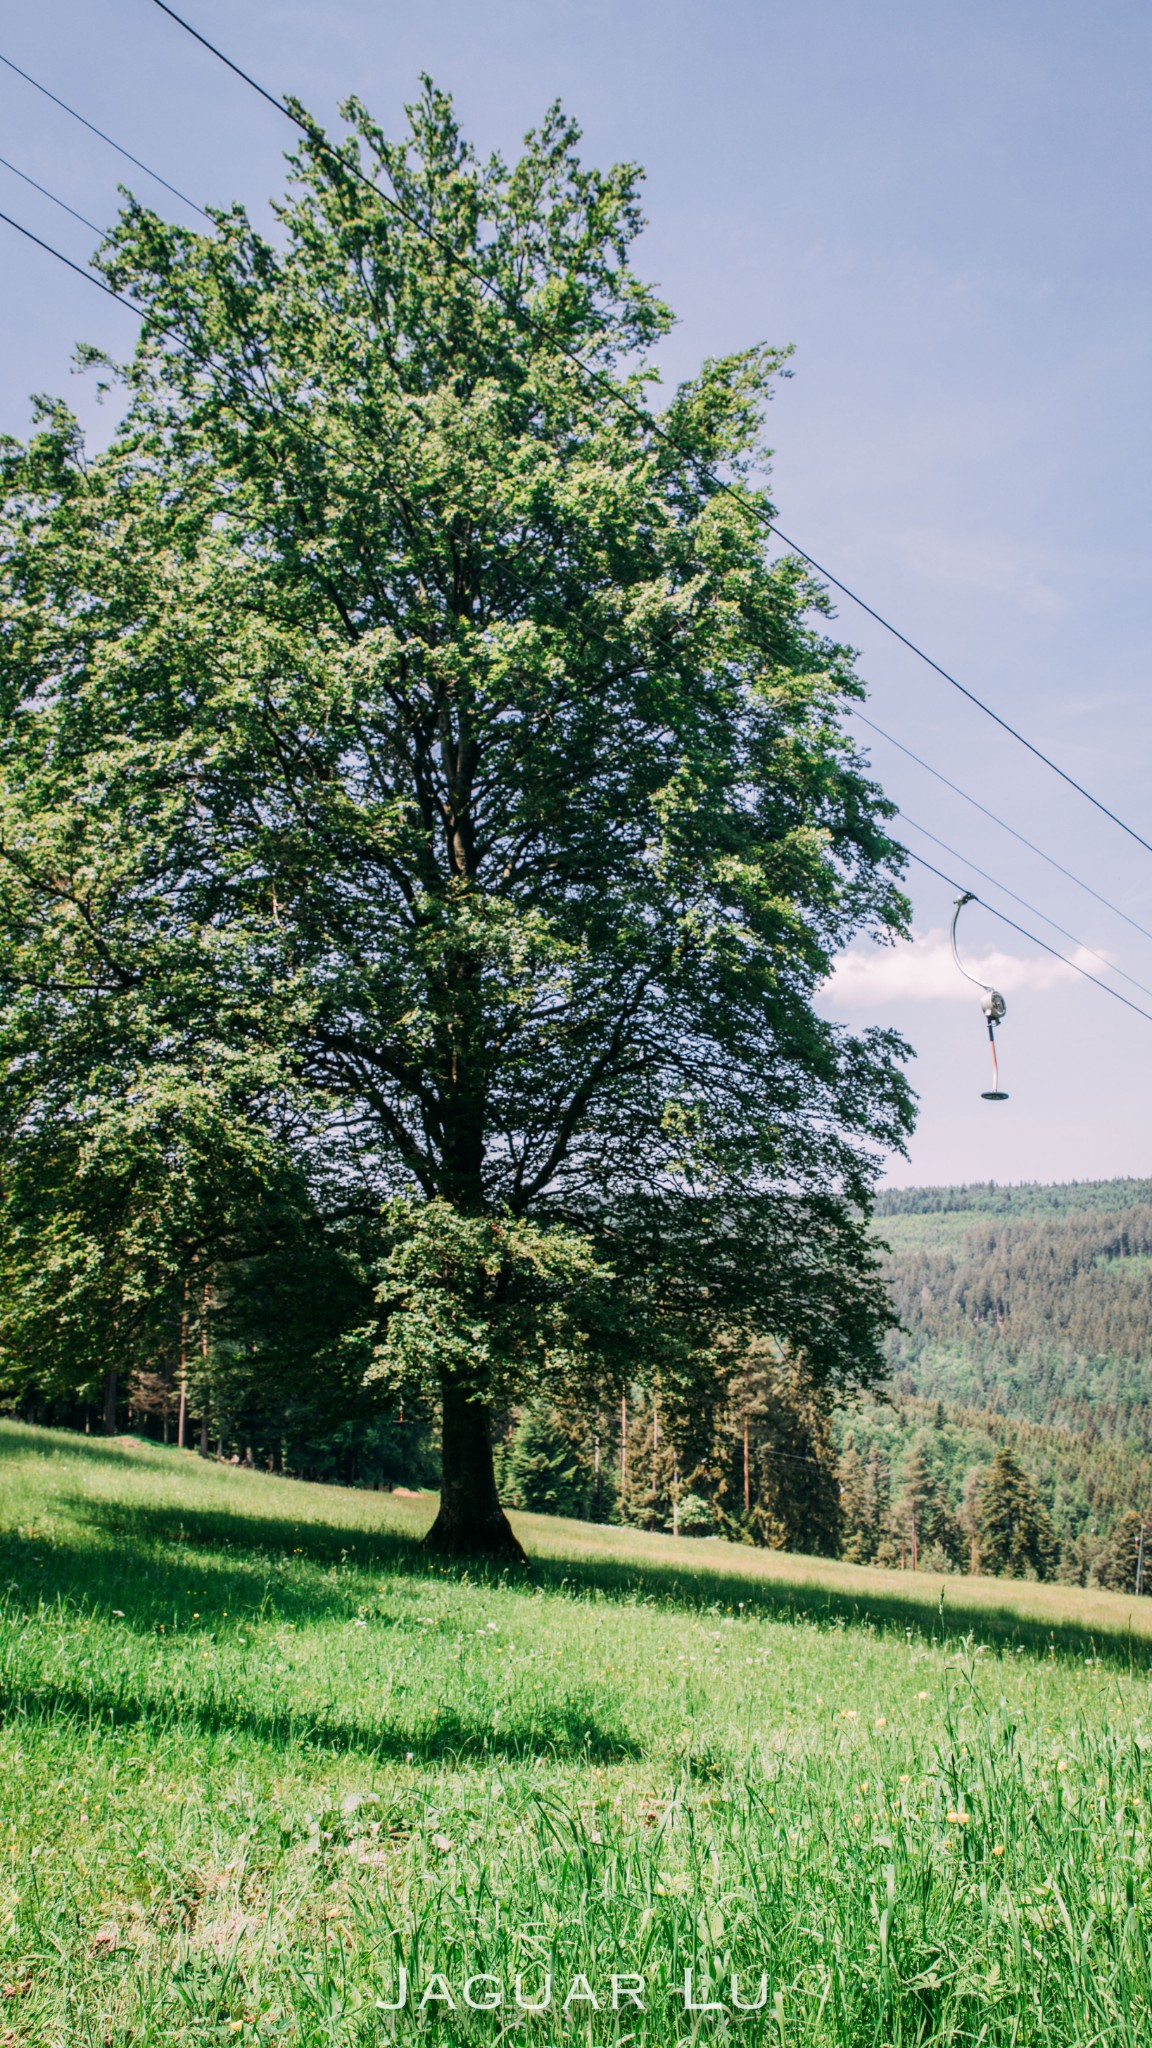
{"points": [[545, 1466], [1014, 1533], [663, 1452], [852, 1507], [1118, 1559], [923, 1524]]}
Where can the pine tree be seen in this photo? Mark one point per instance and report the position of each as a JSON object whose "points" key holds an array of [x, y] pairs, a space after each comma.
{"points": [[653, 1467], [772, 1470], [923, 1524], [1118, 1561], [545, 1467], [854, 1505], [1014, 1533], [877, 1502]]}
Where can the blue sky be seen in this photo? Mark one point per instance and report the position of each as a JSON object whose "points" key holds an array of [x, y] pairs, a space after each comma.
{"points": [[944, 207]]}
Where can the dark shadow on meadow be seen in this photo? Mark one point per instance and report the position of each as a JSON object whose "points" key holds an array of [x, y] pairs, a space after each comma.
{"points": [[558, 1734], [140, 1588], [951, 1621], [241, 1561]]}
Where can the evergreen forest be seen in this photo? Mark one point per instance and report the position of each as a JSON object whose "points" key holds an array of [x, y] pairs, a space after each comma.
{"points": [[1024, 1327]]}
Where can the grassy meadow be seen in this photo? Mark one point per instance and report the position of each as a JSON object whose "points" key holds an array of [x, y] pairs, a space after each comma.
{"points": [[257, 1755]]}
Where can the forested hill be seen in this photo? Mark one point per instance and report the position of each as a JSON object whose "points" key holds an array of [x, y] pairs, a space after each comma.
{"points": [[1032, 1301], [1075, 1197]]}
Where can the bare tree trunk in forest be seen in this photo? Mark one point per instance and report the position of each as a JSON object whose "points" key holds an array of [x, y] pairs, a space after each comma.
{"points": [[204, 1299], [747, 1474], [182, 1418], [471, 1521], [111, 1395]]}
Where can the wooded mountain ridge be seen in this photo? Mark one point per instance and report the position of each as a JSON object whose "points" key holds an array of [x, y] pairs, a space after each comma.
{"points": [[1035, 1302]]}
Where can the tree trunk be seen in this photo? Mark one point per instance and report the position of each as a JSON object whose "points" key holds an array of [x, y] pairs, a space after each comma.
{"points": [[111, 1393], [471, 1521], [182, 1418]]}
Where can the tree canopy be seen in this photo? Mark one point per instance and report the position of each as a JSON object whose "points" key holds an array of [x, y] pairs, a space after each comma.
{"points": [[408, 741]]}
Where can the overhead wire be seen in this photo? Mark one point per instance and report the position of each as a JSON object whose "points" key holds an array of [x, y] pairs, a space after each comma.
{"points": [[640, 413], [91, 278], [1002, 822], [53, 196], [112, 144]]}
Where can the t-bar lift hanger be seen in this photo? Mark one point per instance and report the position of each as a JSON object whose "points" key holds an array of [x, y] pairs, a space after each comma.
{"points": [[994, 1007]]}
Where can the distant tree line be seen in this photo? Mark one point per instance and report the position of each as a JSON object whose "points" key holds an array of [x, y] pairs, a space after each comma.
{"points": [[951, 1489]]}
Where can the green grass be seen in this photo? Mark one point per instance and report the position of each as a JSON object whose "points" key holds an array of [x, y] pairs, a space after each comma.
{"points": [[256, 1753]]}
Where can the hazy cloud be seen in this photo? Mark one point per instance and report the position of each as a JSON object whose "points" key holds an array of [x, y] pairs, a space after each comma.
{"points": [[922, 970]]}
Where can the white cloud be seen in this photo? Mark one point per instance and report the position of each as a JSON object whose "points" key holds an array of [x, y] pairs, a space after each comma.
{"points": [[922, 970]]}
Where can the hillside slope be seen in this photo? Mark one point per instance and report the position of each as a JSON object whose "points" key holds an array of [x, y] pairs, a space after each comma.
{"points": [[1026, 1319], [259, 1755]]}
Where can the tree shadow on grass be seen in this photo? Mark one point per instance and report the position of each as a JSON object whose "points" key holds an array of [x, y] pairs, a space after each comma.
{"points": [[245, 1538], [205, 1595], [561, 1733], [157, 1567], [950, 1620], [238, 1558]]}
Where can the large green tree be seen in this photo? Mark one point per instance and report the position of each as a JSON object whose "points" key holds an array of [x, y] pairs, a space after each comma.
{"points": [[1014, 1534], [398, 714]]}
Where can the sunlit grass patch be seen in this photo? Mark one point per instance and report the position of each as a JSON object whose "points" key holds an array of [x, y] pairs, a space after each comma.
{"points": [[257, 1757]]}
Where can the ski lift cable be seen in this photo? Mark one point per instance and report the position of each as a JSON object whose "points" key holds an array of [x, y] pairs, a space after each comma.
{"points": [[112, 144], [639, 412], [1003, 824], [1024, 903], [54, 197], [1026, 934], [90, 277]]}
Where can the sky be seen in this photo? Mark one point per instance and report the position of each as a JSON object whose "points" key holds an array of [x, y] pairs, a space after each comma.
{"points": [[943, 208]]}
